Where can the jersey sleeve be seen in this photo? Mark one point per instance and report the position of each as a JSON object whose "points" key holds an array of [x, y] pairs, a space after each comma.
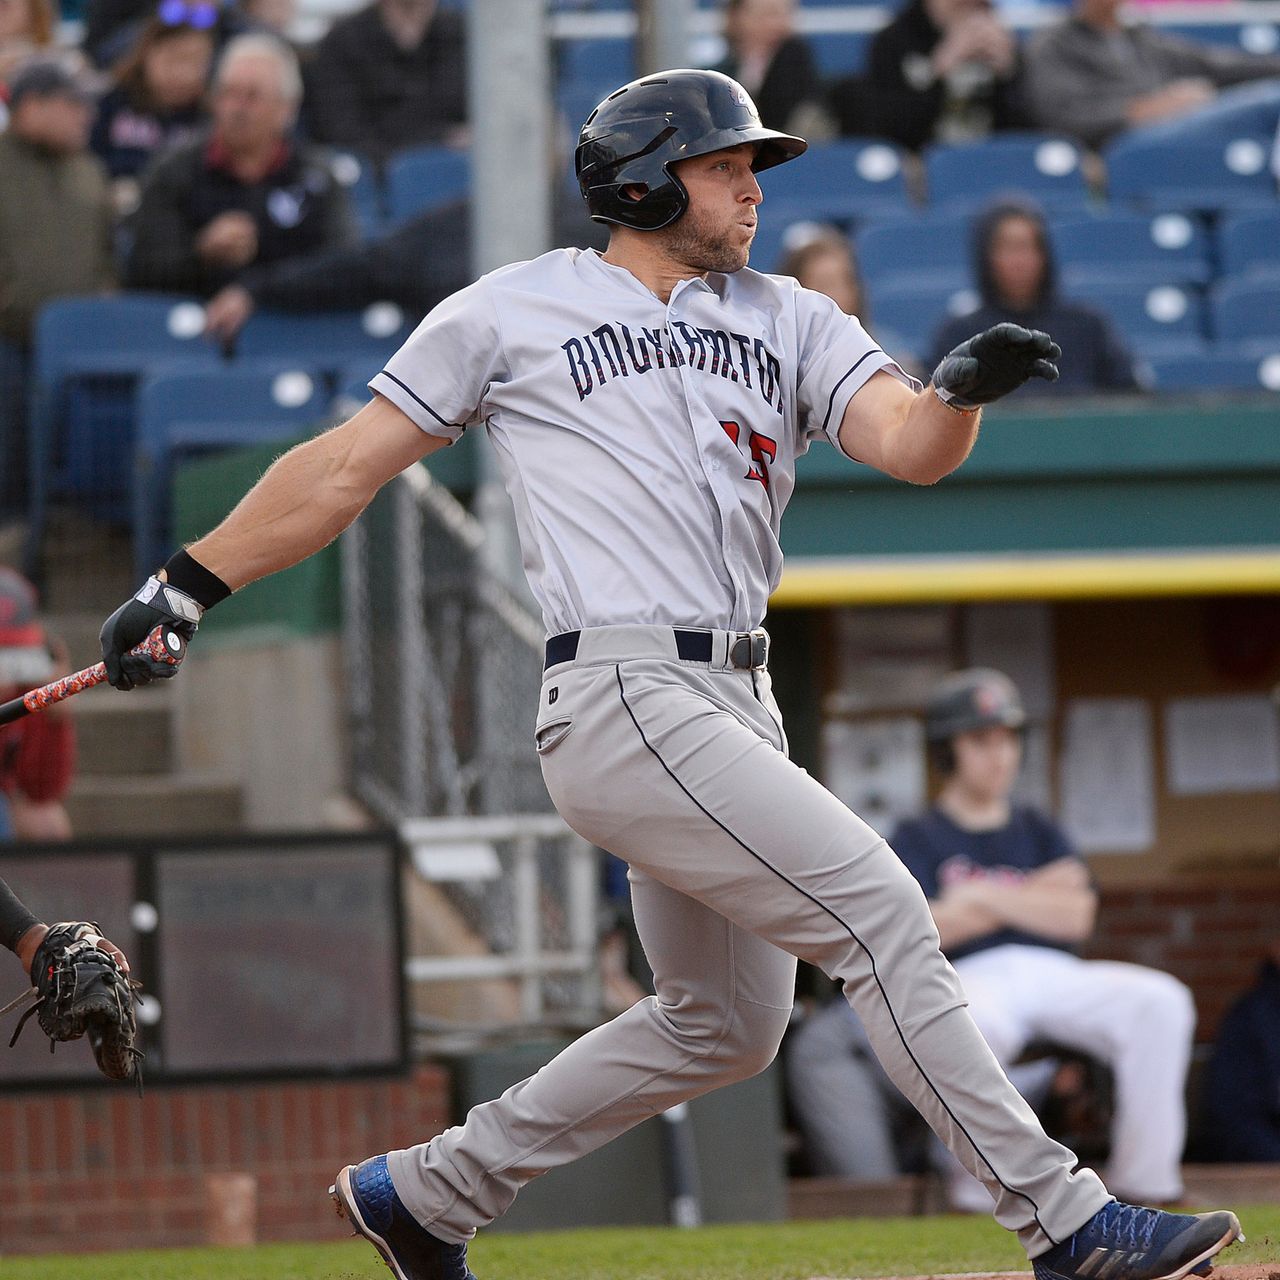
{"points": [[440, 377], [836, 357]]}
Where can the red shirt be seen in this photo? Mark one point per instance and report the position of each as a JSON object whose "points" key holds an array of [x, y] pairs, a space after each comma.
{"points": [[38, 757]]}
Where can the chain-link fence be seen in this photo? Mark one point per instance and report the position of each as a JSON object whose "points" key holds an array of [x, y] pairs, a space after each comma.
{"points": [[444, 664], [444, 668]]}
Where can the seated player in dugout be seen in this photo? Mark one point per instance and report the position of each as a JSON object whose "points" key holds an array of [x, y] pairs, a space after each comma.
{"points": [[1013, 903], [648, 405]]}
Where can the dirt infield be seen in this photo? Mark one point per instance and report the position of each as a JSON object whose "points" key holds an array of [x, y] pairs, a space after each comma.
{"points": [[1253, 1271]]}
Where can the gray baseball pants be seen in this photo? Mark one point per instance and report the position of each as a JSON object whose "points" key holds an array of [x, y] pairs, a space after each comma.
{"points": [[739, 861]]}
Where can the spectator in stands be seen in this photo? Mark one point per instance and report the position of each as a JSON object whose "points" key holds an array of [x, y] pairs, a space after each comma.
{"points": [[1242, 1083], [158, 99], [55, 232], [824, 262], [942, 71], [1012, 903], [246, 195], [26, 29], [37, 754], [1016, 278], [390, 76], [414, 265], [272, 17], [771, 61], [1095, 75]]}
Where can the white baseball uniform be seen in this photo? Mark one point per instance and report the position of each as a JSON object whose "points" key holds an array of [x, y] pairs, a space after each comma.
{"points": [[650, 449]]}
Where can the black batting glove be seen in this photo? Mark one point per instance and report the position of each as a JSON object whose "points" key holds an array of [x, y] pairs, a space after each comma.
{"points": [[156, 604], [993, 363]]}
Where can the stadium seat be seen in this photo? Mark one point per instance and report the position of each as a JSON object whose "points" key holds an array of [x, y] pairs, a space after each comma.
{"points": [[364, 189], [1156, 320], [1217, 371], [198, 410], [840, 53], [424, 177], [88, 357], [904, 319], [837, 182], [1246, 314], [604, 62], [1036, 166], [916, 251], [1252, 37], [326, 340], [1190, 175], [1163, 248], [1249, 244]]}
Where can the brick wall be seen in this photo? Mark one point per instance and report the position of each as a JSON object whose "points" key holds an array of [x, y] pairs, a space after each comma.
{"points": [[102, 1169], [1211, 932]]}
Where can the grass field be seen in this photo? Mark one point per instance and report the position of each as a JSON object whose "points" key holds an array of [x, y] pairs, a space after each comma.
{"points": [[776, 1251]]}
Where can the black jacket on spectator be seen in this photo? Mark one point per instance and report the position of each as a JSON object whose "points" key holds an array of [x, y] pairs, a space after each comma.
{"points": [[299, 208], [1093, 357], [904, 102], [105, 20], [792, 79], [126, 139], [417, 265], [367, 94]]}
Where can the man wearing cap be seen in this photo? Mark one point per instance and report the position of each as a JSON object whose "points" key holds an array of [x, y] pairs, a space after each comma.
{"points": [[37, 754], [1013, 902], [55, 231]]}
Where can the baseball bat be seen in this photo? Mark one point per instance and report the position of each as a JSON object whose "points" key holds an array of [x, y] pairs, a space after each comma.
{"points": [[163, 644]]}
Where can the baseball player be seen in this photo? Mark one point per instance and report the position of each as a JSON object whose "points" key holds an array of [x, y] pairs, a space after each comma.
{"points": [[1012, 903], [648, 405]]}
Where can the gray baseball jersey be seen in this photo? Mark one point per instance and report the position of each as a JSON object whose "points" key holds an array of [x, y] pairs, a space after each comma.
{"points": [[650, 451], [649, 448]]}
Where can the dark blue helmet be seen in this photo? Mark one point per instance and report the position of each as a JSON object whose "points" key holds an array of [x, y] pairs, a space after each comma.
{"points": [[635, 135]]}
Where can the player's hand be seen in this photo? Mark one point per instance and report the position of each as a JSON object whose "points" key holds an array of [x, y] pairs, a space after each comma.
{"points": [[993, 363], [156, 604]]}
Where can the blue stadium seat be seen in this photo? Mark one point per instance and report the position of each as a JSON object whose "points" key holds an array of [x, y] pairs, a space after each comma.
{"points": [[325, 340], [1249, 244], [1166, 319], [1035, 165], [840, 53], [903, 319], [1163, 248], [837, 182], [88, 356], [925, 250], [197, 411], [423, 177], [607, 62], [1246, 314], [365, 190], [1252, 37], [1217, 371], [1190, 175]]}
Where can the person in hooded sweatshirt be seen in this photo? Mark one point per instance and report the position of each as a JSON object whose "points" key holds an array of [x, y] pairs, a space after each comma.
{"points": [[1016, 278]]}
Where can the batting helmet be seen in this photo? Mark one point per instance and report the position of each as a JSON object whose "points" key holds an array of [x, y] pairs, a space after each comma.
{"points": [[973, 699], [635, 135]]}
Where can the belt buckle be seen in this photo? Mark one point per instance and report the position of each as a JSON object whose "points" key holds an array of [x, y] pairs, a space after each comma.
{"points": [[750, 650]]}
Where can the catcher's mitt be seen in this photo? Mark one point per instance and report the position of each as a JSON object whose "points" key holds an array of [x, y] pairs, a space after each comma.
{"points": [[78, 989]]}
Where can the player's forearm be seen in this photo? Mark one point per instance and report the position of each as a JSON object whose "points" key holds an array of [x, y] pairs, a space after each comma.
{"points": [[16, 922], [932, 440], [303, 501]]}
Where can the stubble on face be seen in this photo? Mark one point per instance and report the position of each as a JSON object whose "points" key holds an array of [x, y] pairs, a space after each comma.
{"points": [[697, 242]]}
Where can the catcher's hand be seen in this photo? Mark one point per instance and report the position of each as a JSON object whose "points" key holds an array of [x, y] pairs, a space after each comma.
{"points": [[993, 363], [80, 989]]}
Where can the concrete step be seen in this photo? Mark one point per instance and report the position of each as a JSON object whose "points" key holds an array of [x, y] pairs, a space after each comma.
{"points": [[87, 566], [138, 805], [124, 733]]}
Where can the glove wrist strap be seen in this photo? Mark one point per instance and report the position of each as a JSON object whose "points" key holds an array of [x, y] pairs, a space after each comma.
{"points": [[950, 401], [193, 579], [164, 595]]}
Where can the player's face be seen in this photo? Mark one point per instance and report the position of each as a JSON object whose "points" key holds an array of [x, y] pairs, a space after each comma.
{"points": [[987, 761], [716, 230]]}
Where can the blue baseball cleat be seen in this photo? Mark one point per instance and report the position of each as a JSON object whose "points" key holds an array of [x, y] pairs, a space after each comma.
{"points": [[365, 1196], [1126, 1242]]}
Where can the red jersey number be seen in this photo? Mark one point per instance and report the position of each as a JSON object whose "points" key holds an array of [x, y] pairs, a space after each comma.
{"points": [[763, 451]]}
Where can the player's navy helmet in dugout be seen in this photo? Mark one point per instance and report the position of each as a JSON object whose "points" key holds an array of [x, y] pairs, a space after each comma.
{"points": [[634, 136], [973, 699]]}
